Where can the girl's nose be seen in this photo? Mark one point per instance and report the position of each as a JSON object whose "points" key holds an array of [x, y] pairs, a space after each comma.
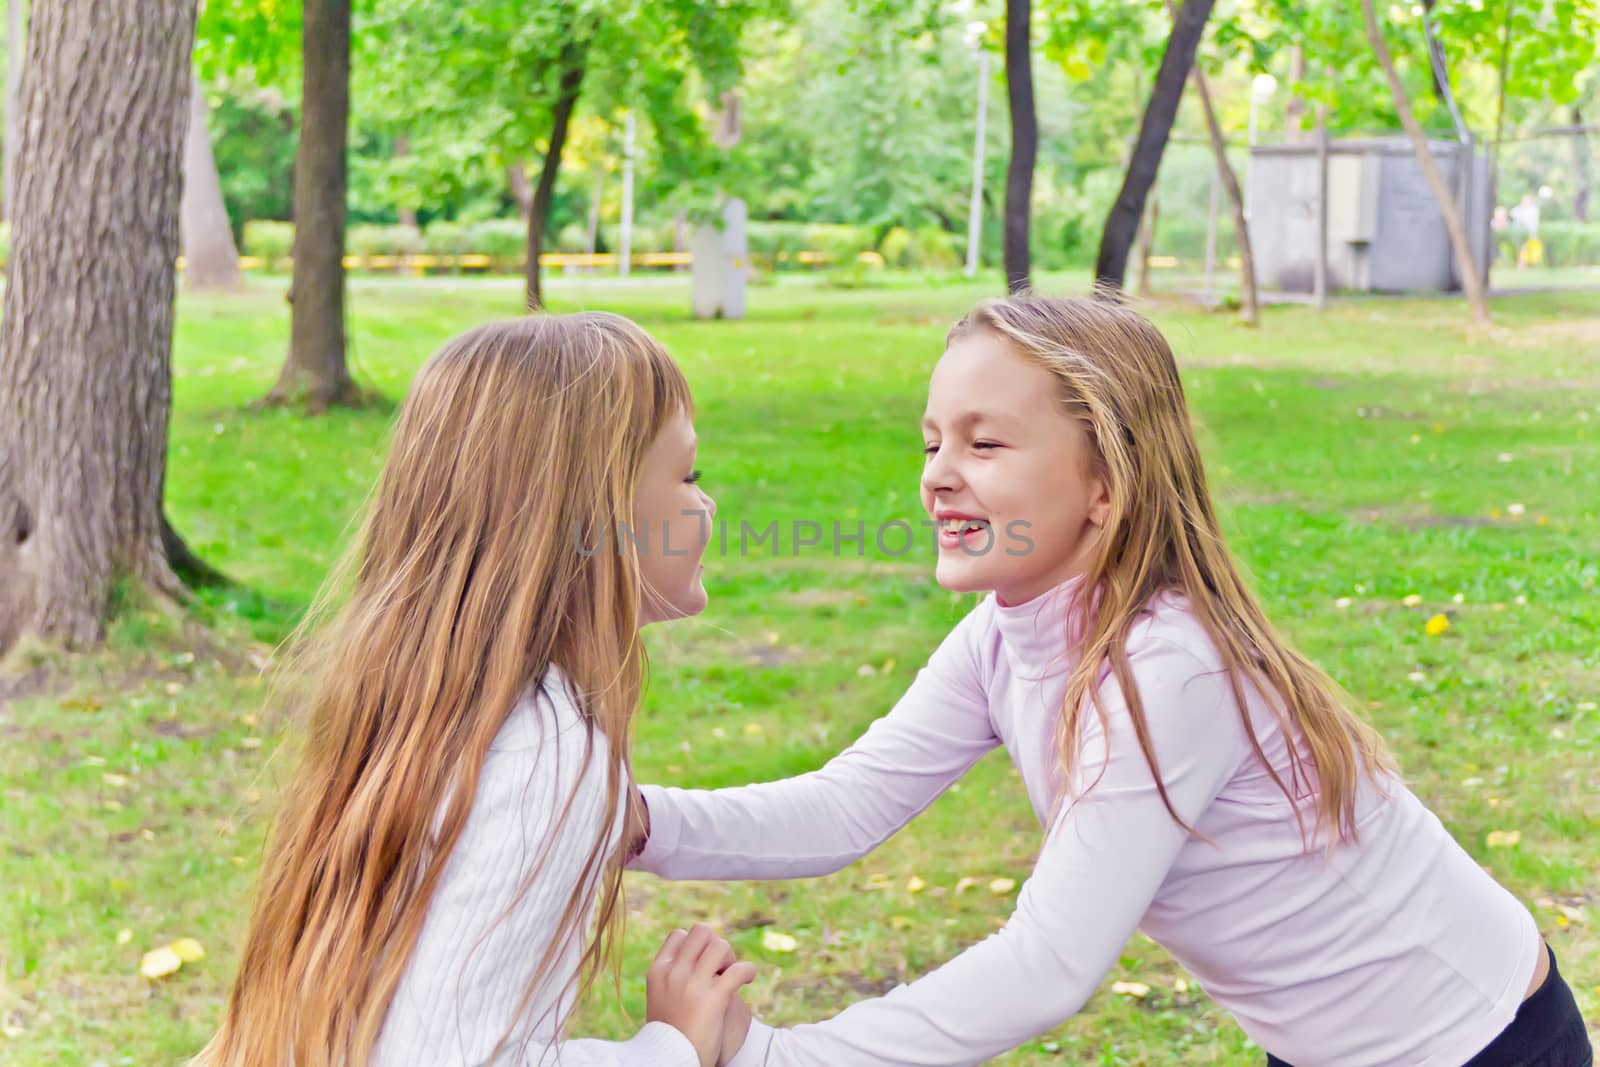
{"points": [[939, 474]]}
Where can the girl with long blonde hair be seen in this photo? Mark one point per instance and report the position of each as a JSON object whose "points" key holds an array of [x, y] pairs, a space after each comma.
{"points": [[456, 823], [1195, 777]]}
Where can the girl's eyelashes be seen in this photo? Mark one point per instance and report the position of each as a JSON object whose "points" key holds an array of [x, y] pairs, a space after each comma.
{"points": [[931, 448], [694, 477]]}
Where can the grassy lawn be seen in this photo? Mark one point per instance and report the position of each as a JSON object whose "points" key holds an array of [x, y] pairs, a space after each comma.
{"points": [[1374, 453]]}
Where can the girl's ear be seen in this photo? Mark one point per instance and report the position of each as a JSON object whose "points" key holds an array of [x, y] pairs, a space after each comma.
{"points": [[1099, 501]]}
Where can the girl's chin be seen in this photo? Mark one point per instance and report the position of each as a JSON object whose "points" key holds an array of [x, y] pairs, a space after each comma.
{"points": [[959, 576]]}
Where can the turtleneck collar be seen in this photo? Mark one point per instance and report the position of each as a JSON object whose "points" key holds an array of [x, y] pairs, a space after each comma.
{"points": [[1034, 633]]}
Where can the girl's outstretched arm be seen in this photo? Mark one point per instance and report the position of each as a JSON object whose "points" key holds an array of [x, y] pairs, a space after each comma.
{"points": [[817, 823], [1101, 865]]}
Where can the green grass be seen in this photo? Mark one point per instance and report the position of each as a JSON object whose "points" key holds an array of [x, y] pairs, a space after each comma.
{"points": [[1369, 453]]}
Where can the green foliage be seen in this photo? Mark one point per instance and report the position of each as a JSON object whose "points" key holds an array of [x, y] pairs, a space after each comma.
{"points": [[1571, 244], [368, 239], [443, 238], [253, 138], [271, 241], [503, 240]]}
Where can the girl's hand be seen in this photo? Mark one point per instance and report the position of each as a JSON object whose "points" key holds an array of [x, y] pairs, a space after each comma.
{"points": [[690, 985], [735, 1027]]}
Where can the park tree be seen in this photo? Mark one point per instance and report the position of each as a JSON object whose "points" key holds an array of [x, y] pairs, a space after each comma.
{"points": [[1155, 126], [309, 42], [864, 114], [1460, 243], [86, 341], [1249, 298], [512, 79], [1024, 142], [316, 372], [16, 45], [210, 257]]}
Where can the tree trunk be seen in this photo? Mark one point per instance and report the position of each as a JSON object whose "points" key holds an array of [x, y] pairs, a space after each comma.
{"points": [[16, 47], [1249, 312], [315, 374], [1466, 262], [572, 69], [210, 258], [1024, 142], [1154, 128], [1294, 113], [1146, 239], [594, 212], [521, 188], [1580, 154], [86, 339], [407, 213]]}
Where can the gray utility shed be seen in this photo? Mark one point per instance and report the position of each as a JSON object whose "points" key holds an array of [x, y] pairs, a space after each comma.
{"points": [[1385, 232]]}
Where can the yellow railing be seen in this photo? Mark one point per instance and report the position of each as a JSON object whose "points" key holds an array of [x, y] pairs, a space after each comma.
{"points": [[480, 261]]}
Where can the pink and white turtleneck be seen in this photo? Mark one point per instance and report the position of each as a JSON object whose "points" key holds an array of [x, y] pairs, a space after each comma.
{"points": [[1396, 950]]}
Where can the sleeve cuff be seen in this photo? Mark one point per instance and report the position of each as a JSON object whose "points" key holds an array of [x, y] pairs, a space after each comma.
{"points": [[753, 1053], [662, 1044], [664, 827]]}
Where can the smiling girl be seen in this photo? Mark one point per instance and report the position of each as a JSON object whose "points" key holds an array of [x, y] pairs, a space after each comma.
{"points": [[1194, 776]]}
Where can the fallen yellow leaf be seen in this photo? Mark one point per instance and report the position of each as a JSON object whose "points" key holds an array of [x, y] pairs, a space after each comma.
{"points": [[773, 941], [915, 884], [124, 936], [160, 962], [899, 922], [1436, 625], [1412, 601], [965, 884], [754, 729], [1132, 989], [1001, 886], [188, 949], [1503, 838]]}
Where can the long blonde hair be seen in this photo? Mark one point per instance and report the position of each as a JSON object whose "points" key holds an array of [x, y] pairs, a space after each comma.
{"points": [[517, 439], [1119, 381]]}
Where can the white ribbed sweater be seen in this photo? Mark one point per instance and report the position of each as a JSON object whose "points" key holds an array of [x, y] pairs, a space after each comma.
{"points": [[480, 944]]}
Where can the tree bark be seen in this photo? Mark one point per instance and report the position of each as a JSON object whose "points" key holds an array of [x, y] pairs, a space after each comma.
{"points": [[1466, 262], [1146, 239], [1154, 128], [593, 235], [521, 188], [210, 258], [16, 47], [1580, 154], [86, 339], [572, 70], [407, 213], [1249, 311], [315, 373], [1024, 143], [1294, 113]]}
